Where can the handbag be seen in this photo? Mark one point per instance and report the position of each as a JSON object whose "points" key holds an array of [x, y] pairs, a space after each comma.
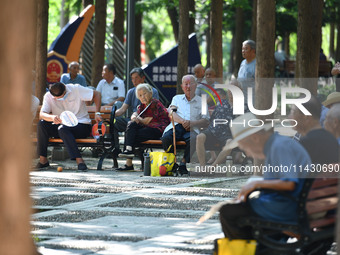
{"points": [[161, 163], [226, 246]]}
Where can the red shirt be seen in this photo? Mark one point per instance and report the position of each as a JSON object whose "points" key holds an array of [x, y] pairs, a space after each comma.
{"points": [[159, 114]]}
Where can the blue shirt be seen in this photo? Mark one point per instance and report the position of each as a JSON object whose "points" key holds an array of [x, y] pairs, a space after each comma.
{"points": [[66, 79], [246, 76], [324, 111], [133, 101], [288, 153]]}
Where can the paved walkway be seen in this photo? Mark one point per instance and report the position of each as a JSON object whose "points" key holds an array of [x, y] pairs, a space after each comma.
{"points": [[109, 212]]}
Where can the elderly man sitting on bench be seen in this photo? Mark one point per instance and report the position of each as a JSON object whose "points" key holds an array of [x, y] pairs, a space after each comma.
{"points": [[188, 119]]}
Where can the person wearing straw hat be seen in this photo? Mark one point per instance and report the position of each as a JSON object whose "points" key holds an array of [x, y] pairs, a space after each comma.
{"points": [[332, 98], [281, 155]]}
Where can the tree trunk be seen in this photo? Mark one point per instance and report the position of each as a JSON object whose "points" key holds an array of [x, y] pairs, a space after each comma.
{"points": [[254, 21], [183, 43], [331, 40], [191, 16], [308, 33], [216, 37], [265, 47], [173, 15], [337, 53], [286, 44], [18, 29], [238, 39], [99, 42], [118, 21], [232, 55], [41, 49], [64, 13], [208, 40], [138, 34]]}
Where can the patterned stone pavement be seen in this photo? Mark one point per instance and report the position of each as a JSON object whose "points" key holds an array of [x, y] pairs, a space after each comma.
{"points": [[110, 212]]}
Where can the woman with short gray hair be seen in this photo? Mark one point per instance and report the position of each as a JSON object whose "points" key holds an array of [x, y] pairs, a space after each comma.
{"points": [[147, 123]]}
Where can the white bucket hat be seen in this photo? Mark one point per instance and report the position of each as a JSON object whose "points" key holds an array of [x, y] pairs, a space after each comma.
{"points": [[244, 126]]}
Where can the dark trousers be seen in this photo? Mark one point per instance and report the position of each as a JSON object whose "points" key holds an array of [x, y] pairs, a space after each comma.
{"points": [[119, 126], [181, 135], [46, 129], [229, 216], [136, 133]]}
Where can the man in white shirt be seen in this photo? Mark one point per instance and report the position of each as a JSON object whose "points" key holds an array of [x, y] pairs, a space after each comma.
{"points": [[188, 119], [111, 87], [61, 98]]}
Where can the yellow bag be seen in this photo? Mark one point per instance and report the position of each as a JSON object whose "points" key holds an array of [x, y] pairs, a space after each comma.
{"points": [[161, 161], [225, 246]]}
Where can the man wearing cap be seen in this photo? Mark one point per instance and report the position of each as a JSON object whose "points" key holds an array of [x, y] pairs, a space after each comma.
{"points": [[62, 98], [131, 101], [255, 139]]}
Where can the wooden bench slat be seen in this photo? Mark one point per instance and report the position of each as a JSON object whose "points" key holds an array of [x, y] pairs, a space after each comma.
{"points": [[159, 142], [324, 183], [322, 205], [317, 193], [322, 222], [58, 140]]}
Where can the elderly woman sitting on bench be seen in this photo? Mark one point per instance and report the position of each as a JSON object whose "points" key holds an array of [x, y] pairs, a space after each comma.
{"points": [[147, 123]]}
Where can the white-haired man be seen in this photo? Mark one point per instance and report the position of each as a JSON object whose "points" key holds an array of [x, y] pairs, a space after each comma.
{"points": [[188, 119]]}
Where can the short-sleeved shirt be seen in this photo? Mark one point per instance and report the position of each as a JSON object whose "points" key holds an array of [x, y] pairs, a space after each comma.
{"points": [[321, 145], [246, 76], [284, 153], [159, 114], [133, 101], [80, 79], [111, 91], [76, 95], [188, 110]]}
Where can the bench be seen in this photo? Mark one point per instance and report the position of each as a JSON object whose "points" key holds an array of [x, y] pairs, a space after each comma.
{"points": [[324, 69], [104, 143], [315, 228]]}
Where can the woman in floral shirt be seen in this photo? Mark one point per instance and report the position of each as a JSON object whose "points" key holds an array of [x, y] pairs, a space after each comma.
{"points": [[147, 123]]}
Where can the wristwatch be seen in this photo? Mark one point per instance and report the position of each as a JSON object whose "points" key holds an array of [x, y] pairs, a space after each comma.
{"points": [[97, 113]]}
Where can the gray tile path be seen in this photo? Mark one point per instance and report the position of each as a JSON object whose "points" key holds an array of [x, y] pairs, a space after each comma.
{"points": [[109, 212]]}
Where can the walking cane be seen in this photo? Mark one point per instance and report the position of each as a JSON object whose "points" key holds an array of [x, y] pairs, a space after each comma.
{"points": [[175, 167]]}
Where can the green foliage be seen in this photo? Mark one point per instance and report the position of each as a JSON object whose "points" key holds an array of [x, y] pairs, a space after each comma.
{"points": [[54, 11], [157, 31], [324, 91]]}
